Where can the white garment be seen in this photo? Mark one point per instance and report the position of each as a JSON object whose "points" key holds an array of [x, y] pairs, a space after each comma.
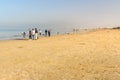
{"points": [[36, 35], [40, 31], [33, 32]]}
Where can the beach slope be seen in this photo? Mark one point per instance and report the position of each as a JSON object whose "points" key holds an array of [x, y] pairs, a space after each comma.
{"points": [[93, 55]]}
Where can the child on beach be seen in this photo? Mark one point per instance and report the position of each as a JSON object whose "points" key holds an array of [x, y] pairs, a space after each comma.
{"points": [[24, 34], [40, 32]]}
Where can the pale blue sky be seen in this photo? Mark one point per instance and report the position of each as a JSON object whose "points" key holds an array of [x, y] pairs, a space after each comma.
{"points": [[85, 13]]}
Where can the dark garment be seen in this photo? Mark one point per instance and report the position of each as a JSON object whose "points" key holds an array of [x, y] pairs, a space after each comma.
{"points": [[40, 34], [36, 31], [30, 36], [49, 33], [46, 32]]}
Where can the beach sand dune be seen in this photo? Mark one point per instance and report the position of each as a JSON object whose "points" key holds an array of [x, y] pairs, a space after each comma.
{"points": [[92, 55]]}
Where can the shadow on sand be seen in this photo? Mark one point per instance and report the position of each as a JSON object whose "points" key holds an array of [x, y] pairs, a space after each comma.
{"points": [[21, 39]]}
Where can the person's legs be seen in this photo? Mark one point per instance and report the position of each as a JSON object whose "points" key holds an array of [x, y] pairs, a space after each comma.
{"points": [[49, 34], [35, 35]]}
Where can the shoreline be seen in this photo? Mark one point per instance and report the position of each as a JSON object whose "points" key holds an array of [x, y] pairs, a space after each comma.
{"points": [[88, 55], [21, 38]]}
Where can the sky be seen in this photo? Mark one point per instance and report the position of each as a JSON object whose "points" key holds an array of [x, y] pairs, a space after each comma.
{"points": [[79, 13]]}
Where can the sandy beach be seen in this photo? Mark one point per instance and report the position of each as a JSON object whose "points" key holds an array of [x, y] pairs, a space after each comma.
{"points": [[93, 55]]}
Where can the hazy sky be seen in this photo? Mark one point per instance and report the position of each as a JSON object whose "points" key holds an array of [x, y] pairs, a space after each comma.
{"points": [[88, 13]]}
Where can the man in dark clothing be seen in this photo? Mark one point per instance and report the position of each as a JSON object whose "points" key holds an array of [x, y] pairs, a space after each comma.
{"points": [[30, 35], [46, 32]]}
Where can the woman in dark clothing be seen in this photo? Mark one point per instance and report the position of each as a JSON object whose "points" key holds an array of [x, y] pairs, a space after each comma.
{"points": [[49, 33]]}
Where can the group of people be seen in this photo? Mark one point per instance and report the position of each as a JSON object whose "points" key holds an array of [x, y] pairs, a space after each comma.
{"points": [[34, 33], [47, 32]]}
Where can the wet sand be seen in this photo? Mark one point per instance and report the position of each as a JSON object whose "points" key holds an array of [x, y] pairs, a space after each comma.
{"points": [[93, 55]]}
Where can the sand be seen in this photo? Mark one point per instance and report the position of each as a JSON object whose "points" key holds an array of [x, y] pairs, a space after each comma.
{"points": [[93, 55]]}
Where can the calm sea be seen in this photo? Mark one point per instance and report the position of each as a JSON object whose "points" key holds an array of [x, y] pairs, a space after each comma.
{"points": [[6, 34], [15, 33]]}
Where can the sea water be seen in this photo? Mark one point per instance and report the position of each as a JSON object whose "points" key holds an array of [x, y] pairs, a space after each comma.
{"points": [[6, 34], [16, 33]]}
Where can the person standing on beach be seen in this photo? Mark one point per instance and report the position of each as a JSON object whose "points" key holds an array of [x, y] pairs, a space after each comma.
{"points": [[36, 34], [33, 34], [49, 32], [40, 32], [30, 35], [24, 34], [46, 32]]}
